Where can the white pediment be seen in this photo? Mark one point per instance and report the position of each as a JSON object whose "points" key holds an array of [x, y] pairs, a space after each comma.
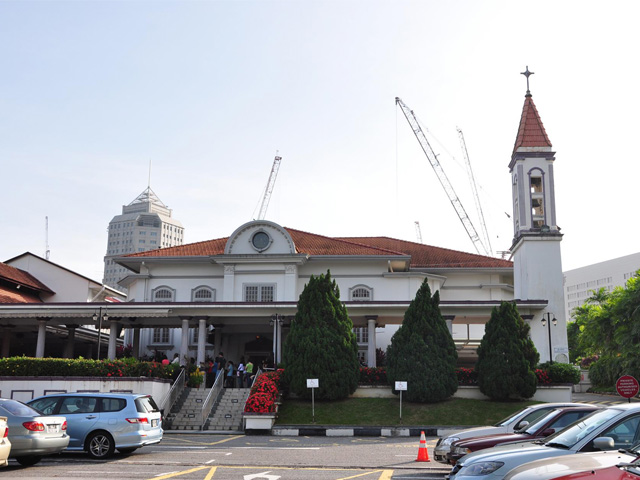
{"points": [[260, 237]]}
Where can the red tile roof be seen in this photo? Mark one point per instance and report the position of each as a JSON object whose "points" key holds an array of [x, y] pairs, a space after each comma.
{"points": [[20, 277], [11, 295], [531, 132], [427, 256], [311, 244]]}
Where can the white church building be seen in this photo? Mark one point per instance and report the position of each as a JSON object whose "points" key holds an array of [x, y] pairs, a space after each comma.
{"points": [[238, 294]]}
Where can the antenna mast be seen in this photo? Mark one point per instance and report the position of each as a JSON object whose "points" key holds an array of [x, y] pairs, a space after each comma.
{"points": [[47, 252]]}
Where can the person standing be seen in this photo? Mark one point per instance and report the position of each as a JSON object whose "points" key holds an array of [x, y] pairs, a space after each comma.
{"points": [[241, 370], [248, 372], [220, 363], [230, 379]]}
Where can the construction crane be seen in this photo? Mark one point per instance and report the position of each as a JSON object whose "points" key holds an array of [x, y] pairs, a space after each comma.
{"points": [[418, 231], [442, 176], [269, 189], [474, 189]]}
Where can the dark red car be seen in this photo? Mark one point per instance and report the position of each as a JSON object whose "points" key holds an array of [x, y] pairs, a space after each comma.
{"points": [[622, 471], [555, 420]]}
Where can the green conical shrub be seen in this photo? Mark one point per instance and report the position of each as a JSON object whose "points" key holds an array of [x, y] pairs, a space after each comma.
{"points": [[422, 352], [321, 343], [507, 356]]}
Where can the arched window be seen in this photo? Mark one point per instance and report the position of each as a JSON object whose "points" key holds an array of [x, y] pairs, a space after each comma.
{"points": [[163, 294], [361, 293], [203, 294], [536, 191]]}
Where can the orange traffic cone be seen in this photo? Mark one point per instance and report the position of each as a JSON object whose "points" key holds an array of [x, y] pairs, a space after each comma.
{"points": [[423, 452]]}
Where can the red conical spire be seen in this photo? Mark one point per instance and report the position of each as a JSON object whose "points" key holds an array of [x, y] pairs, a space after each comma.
{"points": [[531, 132]]}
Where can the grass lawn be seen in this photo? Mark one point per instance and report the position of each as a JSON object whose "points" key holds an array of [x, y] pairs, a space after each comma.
{"points": [[386, 412]]}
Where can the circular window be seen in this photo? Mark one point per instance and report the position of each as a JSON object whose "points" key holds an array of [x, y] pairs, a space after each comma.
{"points": [[261, 241]]}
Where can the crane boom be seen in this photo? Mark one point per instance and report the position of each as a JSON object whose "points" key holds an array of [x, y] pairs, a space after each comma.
{"points": [[418, 231], [442, 176], [267, 192], [474, 189]]}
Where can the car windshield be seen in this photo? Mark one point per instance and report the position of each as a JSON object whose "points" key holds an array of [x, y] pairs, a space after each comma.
{"points": [[533, 427], [510, 418], [18, 409], [571, 435]]}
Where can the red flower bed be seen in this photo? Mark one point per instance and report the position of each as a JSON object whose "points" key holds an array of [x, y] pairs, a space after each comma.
{"points": [[264, 393]]}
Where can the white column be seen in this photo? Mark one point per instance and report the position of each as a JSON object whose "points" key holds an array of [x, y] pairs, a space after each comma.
{"points": [[113, 335], [42, 331], [371, 344], [184, 344], [229, 282], [448, 319], [202, 331]]}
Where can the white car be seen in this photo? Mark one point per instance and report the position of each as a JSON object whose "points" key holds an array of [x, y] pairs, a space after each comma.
{"points": [[613, 428], [516, 421]]}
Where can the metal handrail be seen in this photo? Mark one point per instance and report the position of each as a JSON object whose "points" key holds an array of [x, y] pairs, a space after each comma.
{"points": [[214, 391], [175, 392]]}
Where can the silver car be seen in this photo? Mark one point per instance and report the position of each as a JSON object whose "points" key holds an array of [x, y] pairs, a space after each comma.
{"points": [[99, 423], [32, 435], [513, 422]]}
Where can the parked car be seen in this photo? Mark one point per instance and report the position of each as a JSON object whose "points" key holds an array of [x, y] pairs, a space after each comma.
{"points": [[515, 421], [5, 444], [552, 422], [99, 423], [613, 428], [621, 471], [32, 435], [577, 466]]}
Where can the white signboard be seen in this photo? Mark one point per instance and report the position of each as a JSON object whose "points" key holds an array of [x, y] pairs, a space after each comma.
{"points": [[312, 383], [401, 386]]}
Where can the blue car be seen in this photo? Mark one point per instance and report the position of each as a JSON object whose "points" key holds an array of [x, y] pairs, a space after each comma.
{"points": [[100, 423]]}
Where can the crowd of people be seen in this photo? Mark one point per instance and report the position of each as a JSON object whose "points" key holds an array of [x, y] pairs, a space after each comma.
{"points": [[239, 376]]}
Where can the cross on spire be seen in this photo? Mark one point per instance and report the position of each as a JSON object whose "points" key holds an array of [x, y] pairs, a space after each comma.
{"points": [[527, 74]]}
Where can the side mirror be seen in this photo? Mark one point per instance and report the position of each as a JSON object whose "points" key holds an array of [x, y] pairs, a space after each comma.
{"points": [[521, 426], [604, 443], [548, 431]]}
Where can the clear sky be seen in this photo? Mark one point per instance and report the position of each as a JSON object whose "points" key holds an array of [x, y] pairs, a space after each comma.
{"points": [[208, 91]]}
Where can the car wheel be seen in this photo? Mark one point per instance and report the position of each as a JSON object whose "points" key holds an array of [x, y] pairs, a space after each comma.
{"points": [[127, 451], [100, 445], [28, 461]]}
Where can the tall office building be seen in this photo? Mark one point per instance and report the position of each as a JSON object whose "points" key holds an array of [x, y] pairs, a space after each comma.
{"points": [[145, 224]]}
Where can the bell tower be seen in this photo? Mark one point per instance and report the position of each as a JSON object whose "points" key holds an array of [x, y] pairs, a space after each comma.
{"points": [[536, 243]]}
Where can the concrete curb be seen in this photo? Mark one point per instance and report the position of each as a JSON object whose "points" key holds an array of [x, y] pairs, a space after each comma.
{"points": [[372, 431]]}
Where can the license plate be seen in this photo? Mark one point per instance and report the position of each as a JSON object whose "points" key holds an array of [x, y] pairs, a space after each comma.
{"points": [[154, 422], [53, 428]]}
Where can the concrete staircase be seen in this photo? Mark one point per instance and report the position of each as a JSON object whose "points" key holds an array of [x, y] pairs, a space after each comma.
{"points": [[186, 412], [227, 412]]}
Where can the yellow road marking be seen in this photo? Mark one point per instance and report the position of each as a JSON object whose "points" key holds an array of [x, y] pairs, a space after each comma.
{"points": [[384, 474], [177, 474], [359, 475], [210, 474]]}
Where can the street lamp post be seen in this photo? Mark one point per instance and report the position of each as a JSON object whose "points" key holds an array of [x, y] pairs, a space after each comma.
{"points": [[99, 317], [276, 322], [546, 322]]}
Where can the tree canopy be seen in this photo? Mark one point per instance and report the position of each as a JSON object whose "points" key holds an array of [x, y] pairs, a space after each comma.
{"points": [[321, 343], [607, 326], [422, 352]]}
